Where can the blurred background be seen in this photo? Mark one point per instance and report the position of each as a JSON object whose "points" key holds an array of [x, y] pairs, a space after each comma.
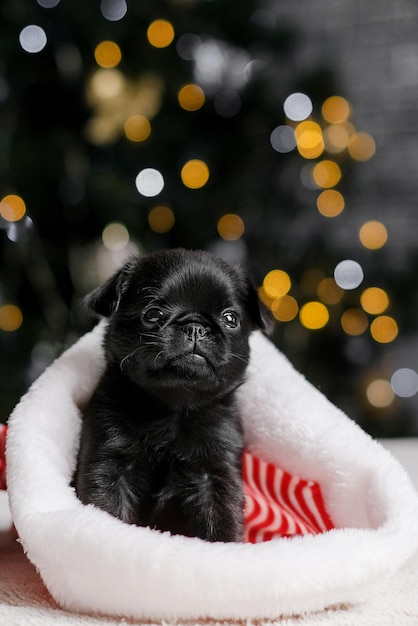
{"points": [[279, 134]]}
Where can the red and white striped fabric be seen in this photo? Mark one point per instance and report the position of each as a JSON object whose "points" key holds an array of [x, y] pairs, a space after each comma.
{"points": [[278, 504]]}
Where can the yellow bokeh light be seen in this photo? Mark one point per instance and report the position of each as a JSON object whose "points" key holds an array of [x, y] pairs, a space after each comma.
{"points": [[374, 300], [309, 140], [191, 97], [336, 110], [11, 318], [314, 315], [330, 203], [361, 147], [12, 208], [161, 219], [329, 292], [137, 128], [195, 174], [285, 309], [384, 329], [231, 227], [115, 236], [160, 33], [268, 300], [373, 235], [107, 54], [276, 283], [354, 322], [336, 138], [380, 393], [326, 174]]}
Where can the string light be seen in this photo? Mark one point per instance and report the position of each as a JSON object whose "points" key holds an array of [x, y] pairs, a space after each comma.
{"points": [[107, 54], [32, 38], [277, 283], [12, 208], [11, 318], [348, 274], [330, 203], [115, 236], [231, 227], [374, 300], [298, 106], [161, 219], [314, 315], [326, 173], [373, 235], [149, 182], [384, 329], [380, 394], [160, 33], [285, 309], [137, 128], [191, 97], [335, 110], [195, 174], [354, 322]]}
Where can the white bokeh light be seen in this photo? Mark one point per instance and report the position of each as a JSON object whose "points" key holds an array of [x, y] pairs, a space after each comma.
{"points": [[149, 182], [405, 382], [113, 10], [298, 106], [32, 38], [283, 139], [48, 4], [348, 274]]}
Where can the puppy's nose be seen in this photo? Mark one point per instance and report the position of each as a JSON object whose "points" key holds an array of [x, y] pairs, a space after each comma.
{"points": [[194, 331]]}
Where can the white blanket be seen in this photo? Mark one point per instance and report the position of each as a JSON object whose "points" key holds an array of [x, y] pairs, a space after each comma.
{"points": [[92, 562]]}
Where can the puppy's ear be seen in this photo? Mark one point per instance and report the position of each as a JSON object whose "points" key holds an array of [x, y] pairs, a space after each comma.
{"points": [[104, 300], [261, 316]]}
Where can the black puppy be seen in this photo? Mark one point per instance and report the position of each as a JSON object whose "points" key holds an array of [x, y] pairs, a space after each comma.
{"points": [[161, 440]]}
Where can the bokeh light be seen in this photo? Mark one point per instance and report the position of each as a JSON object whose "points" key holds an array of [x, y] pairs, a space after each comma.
{"points": [[285, 309], [283, 139], [20, 231], [404, 382], [354, 322], [113, 10], [276, 283], [107, 54], [335, 110], [314, 315], [12, 208], [379, 393], [326, 174], [329, 292], [373, 235], [348, 274], [374, 300], [115, 236], [384, 329], [309, 140], [106, 84], [191, 97], [195, 174], [298, 106], [160, 33], [330, 203], [231, 227], [11, 318], [32, 38], [149, 182], [48, 4], [336, 138], [361, 147], [137, 128], [161, 219]]}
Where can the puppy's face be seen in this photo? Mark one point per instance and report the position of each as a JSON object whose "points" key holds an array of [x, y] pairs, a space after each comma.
{"points": [[179, 324]]}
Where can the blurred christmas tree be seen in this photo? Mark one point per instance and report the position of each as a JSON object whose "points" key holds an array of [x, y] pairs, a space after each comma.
{"points": [[184, 122]]}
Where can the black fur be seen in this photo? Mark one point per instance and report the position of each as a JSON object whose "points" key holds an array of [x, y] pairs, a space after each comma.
{"points": [[161, 441]]}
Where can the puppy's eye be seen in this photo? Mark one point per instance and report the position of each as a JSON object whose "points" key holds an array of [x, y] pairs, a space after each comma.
{"points": [[153, 315], [230, 319]]}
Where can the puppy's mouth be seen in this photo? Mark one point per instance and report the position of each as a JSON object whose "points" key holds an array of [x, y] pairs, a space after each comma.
{"points": [[190, 364]]}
